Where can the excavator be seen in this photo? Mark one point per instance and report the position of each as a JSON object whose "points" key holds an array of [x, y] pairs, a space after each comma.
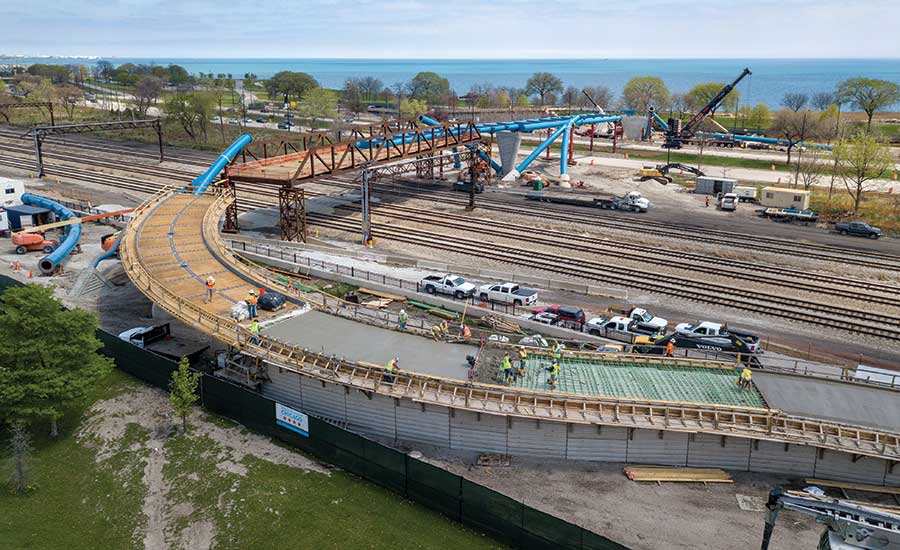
{"points": [[660, 172]]}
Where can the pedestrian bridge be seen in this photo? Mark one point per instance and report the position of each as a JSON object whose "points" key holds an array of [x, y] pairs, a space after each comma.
{"points": [[174, 243]]}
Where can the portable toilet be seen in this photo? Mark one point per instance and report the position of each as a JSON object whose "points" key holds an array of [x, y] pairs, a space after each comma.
{"points": [[709, 185], [780, 197]]}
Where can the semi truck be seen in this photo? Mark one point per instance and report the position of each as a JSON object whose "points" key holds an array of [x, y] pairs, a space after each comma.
{"points": [[631, 201]]}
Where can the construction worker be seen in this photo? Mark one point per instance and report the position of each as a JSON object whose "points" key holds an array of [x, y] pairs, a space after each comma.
{"points": [[557, 352], [670, 348], [745, 379], [554, 373], [392, 365], [402, 319], [254, 331], [436, 332], [523, 355], [251, 303], [445, 328], [707, 201], [506, 368], [466, 333], [210, 289]]}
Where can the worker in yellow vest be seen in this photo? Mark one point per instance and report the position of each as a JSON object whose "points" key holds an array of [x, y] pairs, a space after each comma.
{"points": [[392, 365], [523, 356], [745, 379], [557, 352], [210, 288], [251, 304], [254, 331], [554, 374], [506, 368]]}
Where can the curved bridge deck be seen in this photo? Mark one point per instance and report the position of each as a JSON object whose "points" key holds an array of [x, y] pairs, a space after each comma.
{"points": [[174, 243]]}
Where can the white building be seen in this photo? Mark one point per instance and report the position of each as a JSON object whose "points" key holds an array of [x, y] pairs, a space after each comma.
{"points": [[10, 195]]}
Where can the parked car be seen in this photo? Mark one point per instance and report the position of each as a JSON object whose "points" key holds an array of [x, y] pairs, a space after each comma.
{"points": [[508, 293], [247, 120], [545, 317], [233, 121], [467, 186], [284, 126], [289, 115], [565, 313], [648, 321], [623, 329], [262, 120], [454, 285], [861, 229]]}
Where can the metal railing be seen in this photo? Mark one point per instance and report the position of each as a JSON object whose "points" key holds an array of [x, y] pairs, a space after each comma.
{"points": [[767, 424]]}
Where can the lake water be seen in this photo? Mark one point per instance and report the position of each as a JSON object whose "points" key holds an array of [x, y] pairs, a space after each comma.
{"points": [[770, 80]]}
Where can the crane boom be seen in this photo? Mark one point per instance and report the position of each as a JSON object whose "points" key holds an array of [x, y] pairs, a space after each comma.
{"points": [[713, 103], [70, 221], [599, 108]]}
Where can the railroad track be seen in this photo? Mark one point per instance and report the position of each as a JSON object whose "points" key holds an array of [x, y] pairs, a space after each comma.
{"points": [[760, 302], [598, 218]]}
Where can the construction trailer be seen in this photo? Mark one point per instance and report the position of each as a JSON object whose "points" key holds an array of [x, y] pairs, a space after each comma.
{"points": [[779, 197], [711, 185]]}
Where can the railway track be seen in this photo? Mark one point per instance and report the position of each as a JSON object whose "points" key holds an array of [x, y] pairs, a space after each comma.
{"points": [[873, 324]]}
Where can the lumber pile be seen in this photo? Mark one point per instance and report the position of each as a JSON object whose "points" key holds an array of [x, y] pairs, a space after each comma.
{"points": [[383, 295], [497, 322], [853, 486], [668, 473]]}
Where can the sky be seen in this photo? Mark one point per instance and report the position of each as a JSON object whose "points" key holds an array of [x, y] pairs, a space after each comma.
{"points": [[494, 29]]}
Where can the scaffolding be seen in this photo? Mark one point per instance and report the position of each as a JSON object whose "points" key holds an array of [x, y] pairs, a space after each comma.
{"points": [[292, 213]]}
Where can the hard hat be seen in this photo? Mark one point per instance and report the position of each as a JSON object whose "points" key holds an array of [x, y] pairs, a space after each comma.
{"points": [[397, 359], [252, 291], [402, 311]]}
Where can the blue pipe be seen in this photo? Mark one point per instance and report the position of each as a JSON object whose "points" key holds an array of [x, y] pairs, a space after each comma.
{"points": [[202, 181], [759, 139], [49, 263], [515, 173], [663, 123], [111, 252], [429, 121], [564, 154], [497, 168]]}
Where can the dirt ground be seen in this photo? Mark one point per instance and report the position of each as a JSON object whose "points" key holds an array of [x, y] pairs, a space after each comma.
{"points": [[645, 516]]}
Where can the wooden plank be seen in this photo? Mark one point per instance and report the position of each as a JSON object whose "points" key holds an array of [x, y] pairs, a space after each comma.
{"points": [[392, 297], [854, 486], [676, 474]]}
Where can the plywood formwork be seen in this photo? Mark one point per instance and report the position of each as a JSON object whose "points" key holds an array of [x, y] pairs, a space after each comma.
{"points": [[487, 403]]}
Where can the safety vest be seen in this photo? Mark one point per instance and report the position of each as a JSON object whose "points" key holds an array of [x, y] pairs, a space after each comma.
{"points": [[557, 351], [746, 374], [506, 364], [403, 317], [466, 332], [254, 327], [210, 282], [390, 366], [252, 299], [554, 369], [522, 354]]}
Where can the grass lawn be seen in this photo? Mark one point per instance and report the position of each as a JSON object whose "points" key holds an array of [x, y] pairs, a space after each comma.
{"points": [[78, 501]]}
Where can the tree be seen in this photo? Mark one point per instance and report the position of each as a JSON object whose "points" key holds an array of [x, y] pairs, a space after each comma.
{"points": [[570, 97], [370, 87], [678, 105], [429, 86], [192, 111], [67, 97], [20, 453], [104, 69], [411, 108], [795, 127], [353, 95], [822, 100], [761, 116], [861, 159], [794, 100], [642, 92], [503, 100], [178, 76], [319, 103], [292, 84], [183, 390], [522, 101], [48, 355], [810, 168], [868, 94], [542, 84], [701, 94], [147, 91]]}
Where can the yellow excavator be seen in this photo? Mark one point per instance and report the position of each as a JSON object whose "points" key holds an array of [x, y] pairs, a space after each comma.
{"points": [[660, 172]]}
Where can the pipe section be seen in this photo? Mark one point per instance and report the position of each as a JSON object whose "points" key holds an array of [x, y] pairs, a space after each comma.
{"points": [[203, 180], [111, 252], [759, 139], [49, 263], [564, 155]]}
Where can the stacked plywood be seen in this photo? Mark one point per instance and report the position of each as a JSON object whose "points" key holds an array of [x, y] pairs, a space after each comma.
{"points": [[667, 473]]}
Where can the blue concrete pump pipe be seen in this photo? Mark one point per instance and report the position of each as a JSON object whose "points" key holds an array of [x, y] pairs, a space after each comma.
{"points": [[49, 263], [564, 154], [111, 252], [759, 139], [515, 173], [429, 121], [203, 180]]}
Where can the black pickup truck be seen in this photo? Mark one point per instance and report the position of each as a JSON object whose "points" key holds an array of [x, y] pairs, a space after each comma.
{"points": [[861, 229]]}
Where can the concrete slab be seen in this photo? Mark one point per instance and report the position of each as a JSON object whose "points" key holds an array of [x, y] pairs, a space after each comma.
{"points": [[842, 402], [360, 342]]}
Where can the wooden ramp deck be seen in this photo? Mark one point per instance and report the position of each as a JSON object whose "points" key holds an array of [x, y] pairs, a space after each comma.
{"points": [[174, 252]]}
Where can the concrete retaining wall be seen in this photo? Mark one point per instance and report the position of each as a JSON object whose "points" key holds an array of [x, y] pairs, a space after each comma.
{"points": [[407, 422]]}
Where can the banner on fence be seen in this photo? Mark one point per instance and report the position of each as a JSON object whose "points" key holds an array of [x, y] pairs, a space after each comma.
{"points": [[290, 419]]}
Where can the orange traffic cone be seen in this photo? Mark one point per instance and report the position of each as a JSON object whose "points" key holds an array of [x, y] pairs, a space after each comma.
{"points": [[18, 266], [30, 275]]}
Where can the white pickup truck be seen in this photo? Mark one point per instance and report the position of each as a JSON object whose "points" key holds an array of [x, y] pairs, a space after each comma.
{"points": [[508, 293], [648, 321], [454, 285]]}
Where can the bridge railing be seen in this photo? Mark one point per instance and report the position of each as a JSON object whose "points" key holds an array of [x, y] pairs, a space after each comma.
{"points": [[718, 419]]}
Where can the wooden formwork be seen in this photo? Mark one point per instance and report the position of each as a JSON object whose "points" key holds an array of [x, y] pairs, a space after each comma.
{"points": [[178, 219]]}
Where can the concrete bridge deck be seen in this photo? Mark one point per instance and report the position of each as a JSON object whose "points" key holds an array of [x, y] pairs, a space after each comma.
{"points": [[174, 243]]}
